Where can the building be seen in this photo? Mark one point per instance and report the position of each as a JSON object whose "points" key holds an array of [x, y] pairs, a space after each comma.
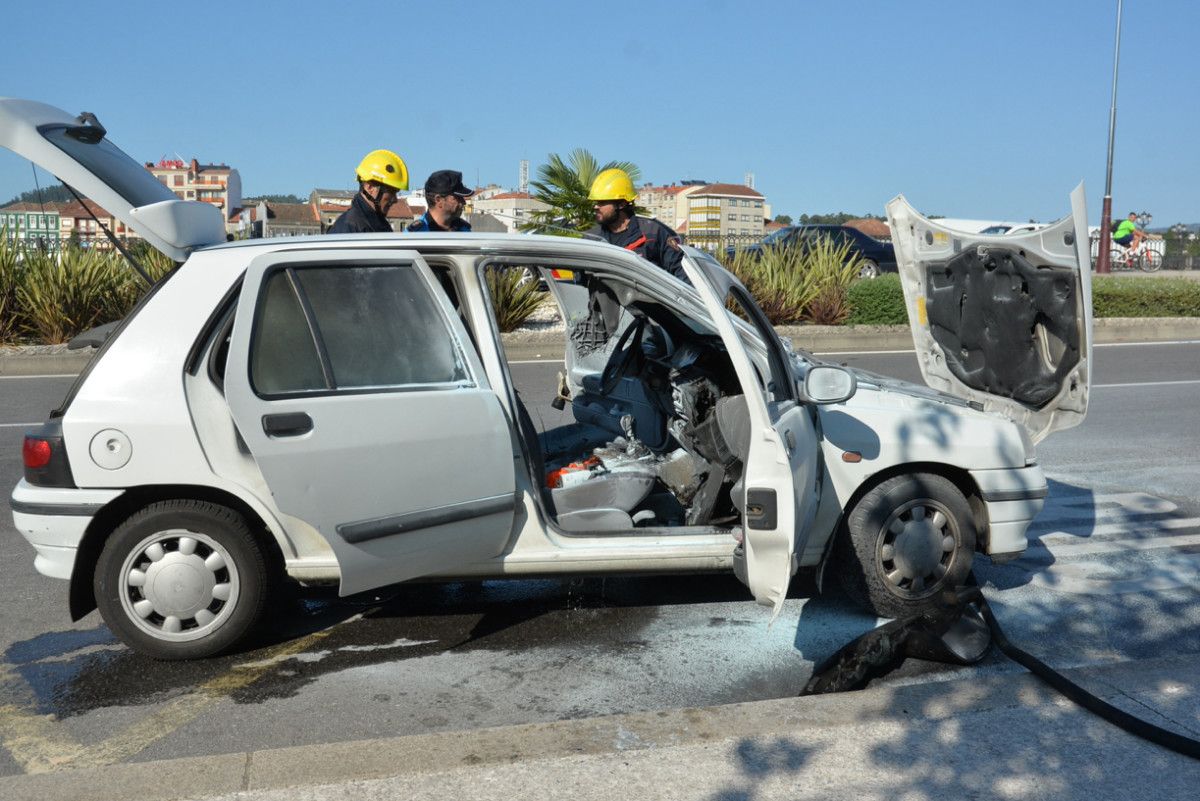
{"points": [[83, 224], [216, 184], [511, 208], [328, 204], [723, 214], [33, 223], [876, 229], [667, 204], [286, 219]]}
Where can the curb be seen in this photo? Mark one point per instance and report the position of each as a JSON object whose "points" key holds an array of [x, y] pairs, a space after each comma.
{"points": [[547, 343], [411, 755]]}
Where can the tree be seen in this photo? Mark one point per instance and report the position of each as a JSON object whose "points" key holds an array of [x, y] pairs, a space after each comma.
{"points": [[783, 219], [564, 185], [275, 199], [55, 193]]}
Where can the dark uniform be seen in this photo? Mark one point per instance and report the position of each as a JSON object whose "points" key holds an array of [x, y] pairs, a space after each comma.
{"points": [[651, 240], [427, 223], [360, 218]]}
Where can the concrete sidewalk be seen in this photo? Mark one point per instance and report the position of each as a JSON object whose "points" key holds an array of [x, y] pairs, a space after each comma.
{"points": [[994, 736], [547, 343]]}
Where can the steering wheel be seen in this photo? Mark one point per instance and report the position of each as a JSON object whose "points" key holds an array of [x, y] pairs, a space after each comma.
{"points": [[626, 355]]}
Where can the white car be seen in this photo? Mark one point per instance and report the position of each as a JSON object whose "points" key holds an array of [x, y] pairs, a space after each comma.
{"points": [[340, 410]]}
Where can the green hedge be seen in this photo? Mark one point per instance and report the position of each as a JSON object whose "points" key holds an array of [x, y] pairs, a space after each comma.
{"points": [[1118, 296], [881, 301]]}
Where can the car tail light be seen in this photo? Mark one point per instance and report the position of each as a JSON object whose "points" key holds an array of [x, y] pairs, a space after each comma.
{"points": [[45, 457], [36, 452]]}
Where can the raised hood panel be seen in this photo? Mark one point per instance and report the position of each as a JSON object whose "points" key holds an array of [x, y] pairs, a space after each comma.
{"points": [[1002, 320], [79, 153]]}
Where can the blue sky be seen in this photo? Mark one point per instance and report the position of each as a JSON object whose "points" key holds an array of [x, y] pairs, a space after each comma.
{"points": [[970, 109]]}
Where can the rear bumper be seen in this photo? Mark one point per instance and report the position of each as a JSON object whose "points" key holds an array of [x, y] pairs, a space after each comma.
{"points": [[1012, 499], [54, 520]]}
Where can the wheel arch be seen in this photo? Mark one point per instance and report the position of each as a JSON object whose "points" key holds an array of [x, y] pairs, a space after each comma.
{"points": [[81, 595], [957, 476]]}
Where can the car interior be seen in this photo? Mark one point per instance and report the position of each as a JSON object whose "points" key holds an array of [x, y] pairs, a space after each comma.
{"points": [[657, 431]]}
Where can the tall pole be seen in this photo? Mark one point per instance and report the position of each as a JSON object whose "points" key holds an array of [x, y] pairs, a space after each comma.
{"points": [[1102, 265]]}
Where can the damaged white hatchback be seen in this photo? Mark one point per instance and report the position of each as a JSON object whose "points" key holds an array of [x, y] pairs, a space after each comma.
{"points": [[340, 410]]}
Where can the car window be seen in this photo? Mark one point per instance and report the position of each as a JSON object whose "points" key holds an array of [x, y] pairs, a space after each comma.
{"points": [[340, 328]]}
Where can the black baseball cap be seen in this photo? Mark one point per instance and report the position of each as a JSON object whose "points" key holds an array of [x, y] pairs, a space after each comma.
{"points": [[446, 182]]}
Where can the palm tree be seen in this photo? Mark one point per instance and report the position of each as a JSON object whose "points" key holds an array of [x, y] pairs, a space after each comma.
{"points": [[563, 186]]}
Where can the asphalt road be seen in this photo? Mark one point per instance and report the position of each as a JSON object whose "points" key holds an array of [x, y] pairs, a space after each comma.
{"points": [[1111, 575]]}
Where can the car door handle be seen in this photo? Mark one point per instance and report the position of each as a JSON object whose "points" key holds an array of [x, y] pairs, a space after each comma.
{"points": [[288, 424]]}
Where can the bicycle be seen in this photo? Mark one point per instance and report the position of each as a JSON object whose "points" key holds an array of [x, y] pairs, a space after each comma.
{"points": [[1141, 258]]}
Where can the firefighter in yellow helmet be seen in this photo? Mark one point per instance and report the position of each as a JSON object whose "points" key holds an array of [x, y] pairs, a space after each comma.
{"points": [[381, 174], [613, 195]]}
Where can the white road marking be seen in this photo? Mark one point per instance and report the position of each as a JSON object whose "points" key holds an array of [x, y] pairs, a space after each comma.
{"points": [[1147, 384], [1097, 345], [49, 375], [19, 425], [1113, 526]]}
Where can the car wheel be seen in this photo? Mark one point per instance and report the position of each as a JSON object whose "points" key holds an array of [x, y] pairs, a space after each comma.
{"points": [[868, 269], [183, 579], [905, 541]]}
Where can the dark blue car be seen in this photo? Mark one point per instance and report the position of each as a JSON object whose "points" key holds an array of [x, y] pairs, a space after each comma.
{"points": [[877, 257]]}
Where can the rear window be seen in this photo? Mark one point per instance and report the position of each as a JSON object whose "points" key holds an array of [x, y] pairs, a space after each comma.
{"points": [[128, 178]]}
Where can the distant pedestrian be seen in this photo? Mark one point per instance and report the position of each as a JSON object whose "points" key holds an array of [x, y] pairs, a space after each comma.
{"points": [[381, 174], [613, 195], [447, 197]]}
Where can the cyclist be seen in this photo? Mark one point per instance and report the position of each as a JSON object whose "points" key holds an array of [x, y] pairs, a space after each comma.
{"points": [[1128, 235]]}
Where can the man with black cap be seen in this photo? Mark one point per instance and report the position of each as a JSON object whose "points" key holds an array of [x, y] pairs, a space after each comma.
{"points": [[447, 197]]}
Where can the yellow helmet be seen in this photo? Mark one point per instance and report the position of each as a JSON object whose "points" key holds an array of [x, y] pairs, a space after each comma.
{"points": [[385, 167], [612, 184]]}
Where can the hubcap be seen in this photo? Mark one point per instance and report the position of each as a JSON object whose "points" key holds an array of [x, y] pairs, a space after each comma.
{"points": [[179, 585], [916, 548]]}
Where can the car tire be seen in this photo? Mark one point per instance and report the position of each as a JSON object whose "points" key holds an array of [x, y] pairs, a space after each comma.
{"points": [[183, 579], [868, 269], [904, 542]]}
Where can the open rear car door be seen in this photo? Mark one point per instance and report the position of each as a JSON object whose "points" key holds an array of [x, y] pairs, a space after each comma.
{"points": [[1004, 321]]}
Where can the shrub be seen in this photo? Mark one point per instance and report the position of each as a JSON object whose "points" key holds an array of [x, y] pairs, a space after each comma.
{"points": [[787, 281], [1116, 296], [10, 324], [62, 295], [879, 301], [515, 296]]}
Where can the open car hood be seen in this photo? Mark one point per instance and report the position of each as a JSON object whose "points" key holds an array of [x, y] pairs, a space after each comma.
{"points": [[78, 152], [1001, 320]]}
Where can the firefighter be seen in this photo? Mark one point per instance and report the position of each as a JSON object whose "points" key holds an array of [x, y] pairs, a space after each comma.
{"points": [[447, 197], [381, 174], [613, 195]]}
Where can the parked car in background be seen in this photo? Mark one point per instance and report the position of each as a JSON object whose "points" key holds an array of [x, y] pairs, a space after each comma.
{"points": [[876, 257]]}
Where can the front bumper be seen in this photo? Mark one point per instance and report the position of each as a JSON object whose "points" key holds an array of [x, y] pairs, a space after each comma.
{"points": [[1012, 499], [54, 521]]}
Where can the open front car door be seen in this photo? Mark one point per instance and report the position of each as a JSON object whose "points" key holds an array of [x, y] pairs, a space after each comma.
{"points": [[1004, 321], [778, 491]]}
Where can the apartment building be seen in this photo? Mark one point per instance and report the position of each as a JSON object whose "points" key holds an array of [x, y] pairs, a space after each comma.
{"points": [[721, 213], [510, 208], [32, 223], [83, 224], [216, 184], [668, 204]]}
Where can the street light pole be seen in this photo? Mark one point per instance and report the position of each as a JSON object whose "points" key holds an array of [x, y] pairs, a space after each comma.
{"points": [[1102, 265]]}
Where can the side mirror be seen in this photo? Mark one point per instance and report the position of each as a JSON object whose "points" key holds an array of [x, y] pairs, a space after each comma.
{"points": [[829, 384]]}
